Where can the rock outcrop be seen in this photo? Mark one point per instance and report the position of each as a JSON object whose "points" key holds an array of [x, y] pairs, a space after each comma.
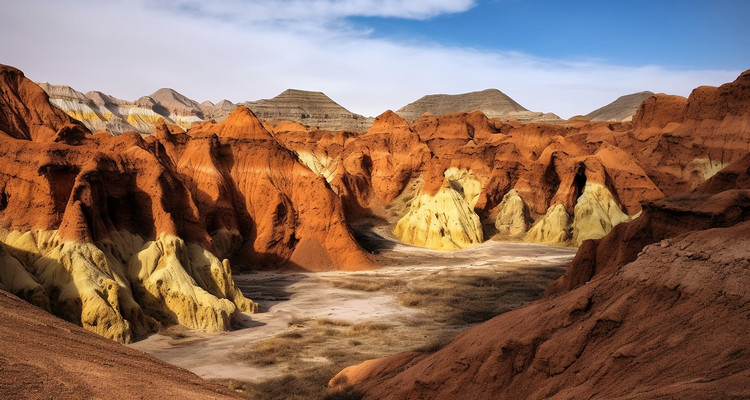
{"points": [[121, 234], [621, 110], [492, 102], [683, 142]]}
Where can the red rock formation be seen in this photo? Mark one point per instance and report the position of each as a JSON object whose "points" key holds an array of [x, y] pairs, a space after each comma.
{"points": [[27, 113], [668, 322], [680, 143], [120, 233], [663, 311]]}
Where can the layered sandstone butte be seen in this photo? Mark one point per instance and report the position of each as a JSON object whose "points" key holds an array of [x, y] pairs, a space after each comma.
{"points": [[620, 110], [492, 102], [45, 357], [120, 234], [313, 109]]}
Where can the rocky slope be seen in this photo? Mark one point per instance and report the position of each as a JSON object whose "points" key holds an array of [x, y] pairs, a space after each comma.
{"points": [[44, 357], [121, 234], [621, 109], [492, 102]]}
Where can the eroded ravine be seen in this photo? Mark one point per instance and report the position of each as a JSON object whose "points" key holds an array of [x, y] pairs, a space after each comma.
{"points": [[295, 301]]}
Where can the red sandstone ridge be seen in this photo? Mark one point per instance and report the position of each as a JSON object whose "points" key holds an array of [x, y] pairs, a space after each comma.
{"points": [[669, 322], [680, 143], [120, 234], [27, 113]]}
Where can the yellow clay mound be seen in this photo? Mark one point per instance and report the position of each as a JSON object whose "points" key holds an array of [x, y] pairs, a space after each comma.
{"points": [[444, 221], [596, 213], [553, 228]]}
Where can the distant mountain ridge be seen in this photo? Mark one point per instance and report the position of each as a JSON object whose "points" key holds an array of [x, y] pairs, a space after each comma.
{"points": [[100, 111], [492, 102], [622, 109]]}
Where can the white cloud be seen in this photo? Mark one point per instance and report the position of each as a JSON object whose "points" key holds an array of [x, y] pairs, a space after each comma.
{"points": [[129, 49], [273, 11]]}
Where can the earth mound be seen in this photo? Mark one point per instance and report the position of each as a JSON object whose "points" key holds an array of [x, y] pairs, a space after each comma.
{"points": [[309, 108]]}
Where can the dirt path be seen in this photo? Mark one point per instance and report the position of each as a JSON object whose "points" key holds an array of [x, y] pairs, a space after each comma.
{"points": [[291, 300]]}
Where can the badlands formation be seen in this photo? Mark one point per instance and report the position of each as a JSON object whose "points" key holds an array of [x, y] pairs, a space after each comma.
{"points": [[126, 234], [658, 308]]}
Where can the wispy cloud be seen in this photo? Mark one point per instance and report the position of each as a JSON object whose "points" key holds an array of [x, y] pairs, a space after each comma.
{"points": [[244, 51], [319, 11]]}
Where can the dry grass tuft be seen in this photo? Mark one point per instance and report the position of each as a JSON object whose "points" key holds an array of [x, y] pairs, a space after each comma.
{"points": [[332, 322], [368, 327], [368, 284]]}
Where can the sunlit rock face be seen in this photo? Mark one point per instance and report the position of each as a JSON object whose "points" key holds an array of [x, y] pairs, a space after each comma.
{"points": [[553, 228], [596, 212], [444, 221]]}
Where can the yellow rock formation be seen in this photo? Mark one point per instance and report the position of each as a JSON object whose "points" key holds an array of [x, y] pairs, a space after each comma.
{"points": [[15, 279], [444, 221], [117, 287], [465, 182], [553, 228], [512, 217], [320, 164], [595, 214]]}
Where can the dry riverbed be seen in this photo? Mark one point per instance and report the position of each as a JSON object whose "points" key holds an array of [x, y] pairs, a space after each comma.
{"points": [[312, 325]]}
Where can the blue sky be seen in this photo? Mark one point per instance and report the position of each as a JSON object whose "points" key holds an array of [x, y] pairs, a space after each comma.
{"points": [[681, 34], [566, 57]]}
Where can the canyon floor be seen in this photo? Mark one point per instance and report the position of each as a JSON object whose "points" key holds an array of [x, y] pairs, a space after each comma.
{"points": [[312, 325]]}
